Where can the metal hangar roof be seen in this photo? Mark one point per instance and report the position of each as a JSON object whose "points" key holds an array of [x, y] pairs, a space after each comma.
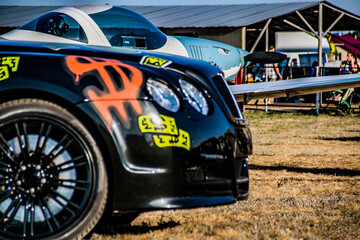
{"points": [[203, 16], [216, 15]]}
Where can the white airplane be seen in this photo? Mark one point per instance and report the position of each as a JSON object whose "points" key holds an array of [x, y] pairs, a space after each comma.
{"points": [[112, 26], [108, 25]]}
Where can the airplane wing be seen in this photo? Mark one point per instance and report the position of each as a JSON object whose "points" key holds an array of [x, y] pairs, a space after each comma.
{"points": [[294, 87]]}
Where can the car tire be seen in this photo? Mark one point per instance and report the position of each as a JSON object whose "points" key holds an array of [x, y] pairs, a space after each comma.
{"points": [[53, 180]]}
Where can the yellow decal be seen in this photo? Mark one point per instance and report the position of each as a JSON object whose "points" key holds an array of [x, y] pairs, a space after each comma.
{"points": [[4, 72], [164, 130], [7, 64], [12, 62], [155, 62], [156, 124], [183, 140]]}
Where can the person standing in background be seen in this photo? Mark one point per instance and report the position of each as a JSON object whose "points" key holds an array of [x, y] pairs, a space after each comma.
{"points": [[272, 71], [350, 65]]}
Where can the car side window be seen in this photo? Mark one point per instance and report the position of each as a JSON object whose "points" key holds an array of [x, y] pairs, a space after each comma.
{"points": [[58, 24]]}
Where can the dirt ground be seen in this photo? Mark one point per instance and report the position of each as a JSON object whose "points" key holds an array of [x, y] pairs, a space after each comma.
{"points": [[305, 184]]}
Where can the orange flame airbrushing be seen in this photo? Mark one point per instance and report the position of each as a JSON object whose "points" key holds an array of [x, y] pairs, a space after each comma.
{"points": [[111, 97]]}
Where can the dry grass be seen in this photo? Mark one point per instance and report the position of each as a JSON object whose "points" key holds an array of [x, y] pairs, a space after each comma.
{"points": [[305, 184]]}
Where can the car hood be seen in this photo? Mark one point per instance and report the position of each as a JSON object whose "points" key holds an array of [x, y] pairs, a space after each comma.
{"points": [[126, 54]]}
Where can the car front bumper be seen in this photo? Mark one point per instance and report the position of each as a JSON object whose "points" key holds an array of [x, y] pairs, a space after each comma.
{"points": [[183, 160]]}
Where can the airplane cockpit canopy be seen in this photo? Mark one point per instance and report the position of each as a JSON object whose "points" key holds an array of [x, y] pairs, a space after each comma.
{"points": [[125, 28], [57, 24], [121, 27]]}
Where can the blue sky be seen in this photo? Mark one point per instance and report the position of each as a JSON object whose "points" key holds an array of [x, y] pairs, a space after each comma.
{"points": [[349, 5]]}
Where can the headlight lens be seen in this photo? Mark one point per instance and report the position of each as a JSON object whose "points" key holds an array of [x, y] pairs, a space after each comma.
{"points": [[194, 97], [163, 95]]}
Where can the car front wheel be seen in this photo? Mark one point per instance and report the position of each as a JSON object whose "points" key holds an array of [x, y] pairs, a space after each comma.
{"points": [[53, 181]]}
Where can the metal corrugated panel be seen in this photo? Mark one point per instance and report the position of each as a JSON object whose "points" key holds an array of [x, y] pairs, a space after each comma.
{"points": [[216, 15], [175, 16], [15, 16]]}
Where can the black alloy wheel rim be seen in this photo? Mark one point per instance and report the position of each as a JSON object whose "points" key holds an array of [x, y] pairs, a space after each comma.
{"points": [[46, 177]]}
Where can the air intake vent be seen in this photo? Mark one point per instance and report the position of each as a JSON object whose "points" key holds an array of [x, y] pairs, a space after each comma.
{"points": [[196, 52], [224, 90]]}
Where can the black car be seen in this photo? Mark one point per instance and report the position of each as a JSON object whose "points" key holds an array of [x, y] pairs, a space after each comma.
{"points": [[87, 132]]}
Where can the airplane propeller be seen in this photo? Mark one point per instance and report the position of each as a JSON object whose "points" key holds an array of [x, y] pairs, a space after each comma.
{"points": [[265, 57]]}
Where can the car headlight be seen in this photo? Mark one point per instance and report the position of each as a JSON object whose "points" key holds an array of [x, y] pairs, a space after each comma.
{"points": [[194, 97], [163, 95]]}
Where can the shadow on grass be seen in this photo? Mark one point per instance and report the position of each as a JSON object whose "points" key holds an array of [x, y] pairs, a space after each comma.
{"points": [[113, 228], [328, 171], [342, 139]]}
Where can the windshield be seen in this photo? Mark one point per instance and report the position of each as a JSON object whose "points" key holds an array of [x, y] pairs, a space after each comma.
{"points": [[125, 28]]}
